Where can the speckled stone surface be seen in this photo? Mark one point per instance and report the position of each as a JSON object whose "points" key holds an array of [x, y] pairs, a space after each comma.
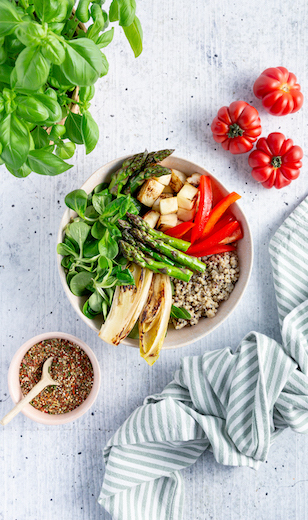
{"points": [[197, 56]]}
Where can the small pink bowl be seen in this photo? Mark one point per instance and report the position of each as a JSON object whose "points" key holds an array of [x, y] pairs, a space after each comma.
{"points": [[29, 410]]}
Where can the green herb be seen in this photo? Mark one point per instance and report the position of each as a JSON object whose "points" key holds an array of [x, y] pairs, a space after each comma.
{"points": [[44, 55], [180, 313]]}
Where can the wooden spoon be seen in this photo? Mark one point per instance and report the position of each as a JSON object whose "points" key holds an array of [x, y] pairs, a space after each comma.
{"points": [[46, 380]]}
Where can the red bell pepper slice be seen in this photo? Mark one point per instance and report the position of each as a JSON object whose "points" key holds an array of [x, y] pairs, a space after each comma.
{"points": [[214, 239], [179, 230], [219, 225], [205, 206], [218, 211], [236, 235], [215, 250]]}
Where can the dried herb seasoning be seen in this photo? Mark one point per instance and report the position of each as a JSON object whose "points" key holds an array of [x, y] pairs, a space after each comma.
{"points": [[71, 367]]}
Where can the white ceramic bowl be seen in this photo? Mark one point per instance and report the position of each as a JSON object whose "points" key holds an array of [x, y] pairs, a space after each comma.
{"points": [[187, 335], [29, 410]]}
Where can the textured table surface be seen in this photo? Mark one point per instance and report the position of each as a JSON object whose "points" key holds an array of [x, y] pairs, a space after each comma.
{"points": [[197, 57]]}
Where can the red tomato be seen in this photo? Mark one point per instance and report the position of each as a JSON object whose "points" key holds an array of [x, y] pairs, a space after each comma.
{"points": [[236, 127], [279, 91], [275, 162]]}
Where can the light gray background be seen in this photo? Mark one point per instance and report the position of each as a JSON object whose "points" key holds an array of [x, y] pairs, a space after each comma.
{"points": [[197, 57]]}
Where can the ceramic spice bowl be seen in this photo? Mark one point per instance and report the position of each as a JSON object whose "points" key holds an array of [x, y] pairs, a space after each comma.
{"points": [[54, 418], [187, 335]]}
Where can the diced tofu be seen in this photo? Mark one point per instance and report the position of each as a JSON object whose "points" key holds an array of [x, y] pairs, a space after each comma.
{"points": [[168, 189], [178, 180], [187, 196], [151, 218], [149, 192], [167, 221], [185, 214], [169, 205], [164, 179], [157, 202], [194, 179]]}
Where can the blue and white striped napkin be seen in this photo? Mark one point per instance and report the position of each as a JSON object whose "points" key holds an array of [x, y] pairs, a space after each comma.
{"points": [[234, 404]]}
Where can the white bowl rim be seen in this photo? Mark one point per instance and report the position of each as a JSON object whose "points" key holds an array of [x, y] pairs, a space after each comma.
{"points": [[29, 410], [129, 341]]}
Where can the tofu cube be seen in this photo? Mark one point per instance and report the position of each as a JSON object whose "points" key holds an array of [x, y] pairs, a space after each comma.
{"points": [[194, 179], [151, 218], [178, 180], [187, 196], [167, 221], [164, 179], [149, 192], [185, 214], [169, 205], [157, 202]]}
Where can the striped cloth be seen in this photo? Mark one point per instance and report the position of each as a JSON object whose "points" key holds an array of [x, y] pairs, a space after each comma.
{"points": [[234, 404]]}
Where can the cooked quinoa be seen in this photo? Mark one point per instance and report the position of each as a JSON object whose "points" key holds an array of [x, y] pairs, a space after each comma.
{"points": [[202, 295]]}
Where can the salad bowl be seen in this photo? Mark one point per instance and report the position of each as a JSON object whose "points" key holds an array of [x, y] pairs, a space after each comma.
{"points": [[175, 338]]}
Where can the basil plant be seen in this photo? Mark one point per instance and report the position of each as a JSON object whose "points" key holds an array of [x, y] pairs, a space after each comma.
{"points": [[45, 53]]}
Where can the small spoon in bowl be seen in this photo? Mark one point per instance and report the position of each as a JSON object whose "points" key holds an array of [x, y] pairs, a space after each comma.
{"points": [[45, 380]]}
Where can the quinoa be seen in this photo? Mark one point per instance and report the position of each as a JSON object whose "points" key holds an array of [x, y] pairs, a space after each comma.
{"points": [[202, 295]]}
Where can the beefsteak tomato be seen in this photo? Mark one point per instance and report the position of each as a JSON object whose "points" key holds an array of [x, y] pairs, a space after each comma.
{"points": [[279, 91], [236, 127], [276, 161]]}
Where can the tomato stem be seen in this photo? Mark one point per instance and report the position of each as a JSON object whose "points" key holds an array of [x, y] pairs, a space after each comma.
{"points": [[276, 161], [235, 130]]}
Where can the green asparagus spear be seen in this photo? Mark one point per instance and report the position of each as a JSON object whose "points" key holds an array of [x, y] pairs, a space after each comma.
{"points": [[155, 157], [137, 221], [135, 255], [129, 167], [156, 170], [140, 234]]}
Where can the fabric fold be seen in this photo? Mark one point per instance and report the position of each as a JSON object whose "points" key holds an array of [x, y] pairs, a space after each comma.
{"points": [[234, 404]]}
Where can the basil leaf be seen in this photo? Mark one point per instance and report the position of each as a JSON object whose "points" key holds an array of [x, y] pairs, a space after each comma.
{"points": [[114, 11], [56, 27], [31, 109], [73, 128], [50, 10], [86, 93], [53, 49], [53, 107], [40, 137], [22, 172], [77, 201], [46, 163], [180, 313], [78, 231], [104, 39], [108, 246], [80, 283], [89, 131], [15, 139], [134, 36], [32, 68], [5, 73], [83, 62], [30, 33], [9, 17], [65, 150], [127, 12]]}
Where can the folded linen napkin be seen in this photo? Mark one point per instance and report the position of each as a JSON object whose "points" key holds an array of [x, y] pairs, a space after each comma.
{"points": [[234, 404]]}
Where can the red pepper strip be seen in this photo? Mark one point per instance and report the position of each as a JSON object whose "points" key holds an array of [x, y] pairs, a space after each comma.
{"points": [[220, 224], [187, 236], [236, 235], [180, 230], [205, 206], [214, 239], [214, 250], [218, 211]]}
